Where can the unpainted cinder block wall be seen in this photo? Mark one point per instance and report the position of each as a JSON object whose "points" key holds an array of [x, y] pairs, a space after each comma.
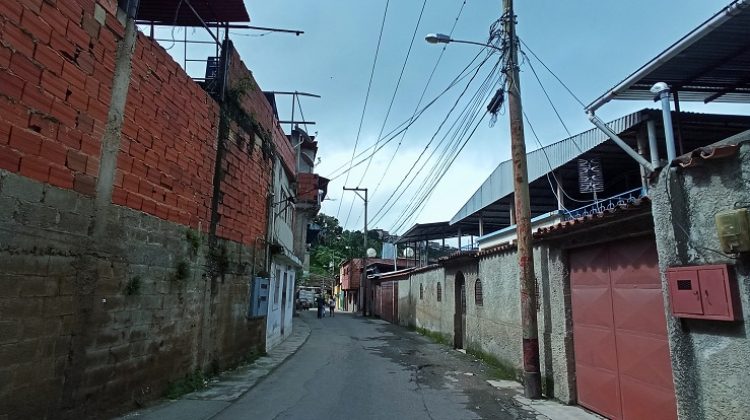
{"points": [[710, 359]]}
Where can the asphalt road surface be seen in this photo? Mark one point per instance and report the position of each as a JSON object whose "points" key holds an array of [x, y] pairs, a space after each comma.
{"points": [[357, 368]]}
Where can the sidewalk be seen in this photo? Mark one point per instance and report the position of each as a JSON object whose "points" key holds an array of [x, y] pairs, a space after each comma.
{"points": [[227, 387]]}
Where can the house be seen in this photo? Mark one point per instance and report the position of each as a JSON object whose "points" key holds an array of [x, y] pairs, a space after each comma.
{"points": [[350, 277], [613, 271], [139, 203]]}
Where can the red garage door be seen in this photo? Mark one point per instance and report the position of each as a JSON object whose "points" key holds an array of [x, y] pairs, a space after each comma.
{"points": [[623, 369]]}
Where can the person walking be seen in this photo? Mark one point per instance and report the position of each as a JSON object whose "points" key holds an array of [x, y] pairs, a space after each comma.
{"points": [[320, 302], [331, 305]]}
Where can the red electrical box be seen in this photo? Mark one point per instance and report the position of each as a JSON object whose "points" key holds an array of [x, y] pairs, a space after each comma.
{"points": [[702, 292]]}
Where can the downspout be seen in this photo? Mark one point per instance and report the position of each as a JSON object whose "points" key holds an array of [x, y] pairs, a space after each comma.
{"points": [[653, 147], [620, 142], [661, 90], [271, 220]]}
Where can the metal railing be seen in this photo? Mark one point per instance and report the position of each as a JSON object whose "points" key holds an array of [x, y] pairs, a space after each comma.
{"points": [[600, 206]]}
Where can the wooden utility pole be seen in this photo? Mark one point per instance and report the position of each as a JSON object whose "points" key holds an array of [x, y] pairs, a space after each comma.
{"points": [[531, 374]]}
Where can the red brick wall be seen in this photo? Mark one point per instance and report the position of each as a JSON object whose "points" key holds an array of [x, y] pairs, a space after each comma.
{"points": [[56, 70], [56, 66], [351, 274], [307, 188], [246, 170], [166, 162]]}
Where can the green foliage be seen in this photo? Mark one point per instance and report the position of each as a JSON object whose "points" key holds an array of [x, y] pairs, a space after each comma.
{"points": [[337, 245], [254, 355], [190, 383], [437, 337], [498, 368], [133, 287], [232, 109], [194, 239], [181, 272]]}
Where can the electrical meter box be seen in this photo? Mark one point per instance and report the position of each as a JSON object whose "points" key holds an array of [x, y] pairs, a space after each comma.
{"points": [[702, 292], [258, 298], [733, 228]]}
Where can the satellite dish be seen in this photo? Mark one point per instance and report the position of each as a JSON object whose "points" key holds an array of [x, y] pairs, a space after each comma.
{"points": [[371, 253], [408, 252]]}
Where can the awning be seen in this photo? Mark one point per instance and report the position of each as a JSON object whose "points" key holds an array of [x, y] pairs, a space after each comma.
{"points": [[492, 201], [438, 230], [711, 63], [179, 13]]}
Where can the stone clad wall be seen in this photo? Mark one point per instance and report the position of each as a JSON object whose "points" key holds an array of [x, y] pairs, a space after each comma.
{"points": [[710, 359]]}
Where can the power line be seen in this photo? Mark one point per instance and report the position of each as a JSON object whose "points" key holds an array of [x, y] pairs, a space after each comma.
{"points": [[421, 97], [418, 210], [448, 154], [526, 47], [424, 150], [549, 164], [406, 124], [398, 84], [367, 97], [445, 155]]}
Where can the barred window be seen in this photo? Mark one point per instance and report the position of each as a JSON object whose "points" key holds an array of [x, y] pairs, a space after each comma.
{"points": [[439, 292], [478, 298], [421, 291]]}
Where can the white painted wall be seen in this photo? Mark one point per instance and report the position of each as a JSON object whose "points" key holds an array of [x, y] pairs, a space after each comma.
{"points": [[280, 311]]}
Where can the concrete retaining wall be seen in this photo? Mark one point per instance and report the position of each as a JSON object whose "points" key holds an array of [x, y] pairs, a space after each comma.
{"points": [[117, 319]]}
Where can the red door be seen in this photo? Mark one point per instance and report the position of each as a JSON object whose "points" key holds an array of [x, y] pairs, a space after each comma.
{"points": [[623, 368]]}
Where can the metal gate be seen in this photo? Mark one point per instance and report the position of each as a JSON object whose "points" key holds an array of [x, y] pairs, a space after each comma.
{"points": [[623, 369]]}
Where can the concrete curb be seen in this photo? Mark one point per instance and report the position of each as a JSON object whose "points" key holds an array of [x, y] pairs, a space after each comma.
{"points": [[229, 386]]}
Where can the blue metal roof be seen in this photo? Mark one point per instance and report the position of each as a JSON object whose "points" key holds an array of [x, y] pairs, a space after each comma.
{"points": [[500, 183]]}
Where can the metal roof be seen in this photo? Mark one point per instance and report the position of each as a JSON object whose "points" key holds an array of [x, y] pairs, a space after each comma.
{"points": [[500, 182], [493, 199], [711, 63], [437, 230], [178, 13]]}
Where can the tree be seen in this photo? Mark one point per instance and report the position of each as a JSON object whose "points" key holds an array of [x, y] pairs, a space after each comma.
{"points": [[334, 244]]}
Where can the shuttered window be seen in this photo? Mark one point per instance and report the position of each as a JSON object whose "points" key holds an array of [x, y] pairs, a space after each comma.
{"points": [[478, 297], [439, 292]]}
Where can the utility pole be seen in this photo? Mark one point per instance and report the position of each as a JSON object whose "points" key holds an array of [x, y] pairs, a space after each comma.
{"points": [[363, 286], [531, 374]]}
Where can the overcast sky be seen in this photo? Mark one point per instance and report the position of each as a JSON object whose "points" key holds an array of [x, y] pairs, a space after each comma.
{"points": [[590, 44]]}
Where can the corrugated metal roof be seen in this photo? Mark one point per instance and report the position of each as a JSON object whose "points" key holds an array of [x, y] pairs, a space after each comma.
{"points": [[500, 183], [212, 11], [711, 63]]}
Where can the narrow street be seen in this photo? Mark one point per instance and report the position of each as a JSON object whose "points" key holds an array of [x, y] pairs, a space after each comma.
{"points": [[354, 368]]}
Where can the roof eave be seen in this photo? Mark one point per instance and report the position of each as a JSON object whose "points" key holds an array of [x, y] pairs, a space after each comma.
{"points": [[692, 37]]}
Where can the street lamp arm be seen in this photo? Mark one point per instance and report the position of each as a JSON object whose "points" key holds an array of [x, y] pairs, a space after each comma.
{"points": [[445, 39]]}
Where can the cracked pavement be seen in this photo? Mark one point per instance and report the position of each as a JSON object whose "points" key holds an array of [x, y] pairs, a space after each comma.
{"points": [[355, 368]]}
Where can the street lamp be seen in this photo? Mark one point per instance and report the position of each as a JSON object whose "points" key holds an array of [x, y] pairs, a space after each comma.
{"points": [[445, 39], [530, 332]]}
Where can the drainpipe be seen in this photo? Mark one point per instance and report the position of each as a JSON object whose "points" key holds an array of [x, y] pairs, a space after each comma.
{"points": [[661, 90], [620, 142], [653, 147]]}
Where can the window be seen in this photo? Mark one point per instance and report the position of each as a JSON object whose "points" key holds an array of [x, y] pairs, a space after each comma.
{"points": [[439, 292], [478, 297], [421, 291]]}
